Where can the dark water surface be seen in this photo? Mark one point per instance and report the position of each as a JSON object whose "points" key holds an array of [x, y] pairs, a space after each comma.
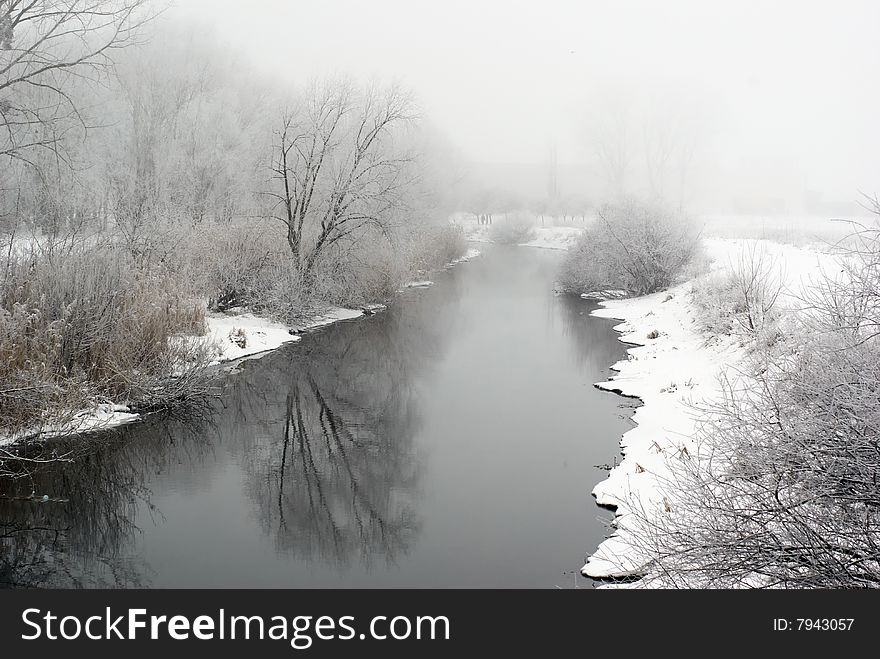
{"points": [[447, 442]]}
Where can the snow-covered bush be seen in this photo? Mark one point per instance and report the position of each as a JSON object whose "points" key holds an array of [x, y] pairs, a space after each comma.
{"points": [[636, 246], [515, 228]]}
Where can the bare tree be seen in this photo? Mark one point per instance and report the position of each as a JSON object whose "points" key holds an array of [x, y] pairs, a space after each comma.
{"points": [[44, 44], [646, 143], [336, 171], [614, 148]]}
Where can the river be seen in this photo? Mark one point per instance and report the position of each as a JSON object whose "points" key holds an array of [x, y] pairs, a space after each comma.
{"points": [[450, 441]]}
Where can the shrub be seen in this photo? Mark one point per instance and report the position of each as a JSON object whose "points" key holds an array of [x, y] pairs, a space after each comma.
{"points": [[375, 267], [638, 247], [514, 229], [234, 265], [433, 247], [87, 327], [355, 274], [743, 299]]}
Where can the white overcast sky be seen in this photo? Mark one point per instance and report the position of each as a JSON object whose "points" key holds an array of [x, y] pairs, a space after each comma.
{"points": [[782, 84]]}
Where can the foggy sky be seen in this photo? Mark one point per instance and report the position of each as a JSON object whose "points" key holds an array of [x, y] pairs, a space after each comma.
{"points": [[785, 94]]}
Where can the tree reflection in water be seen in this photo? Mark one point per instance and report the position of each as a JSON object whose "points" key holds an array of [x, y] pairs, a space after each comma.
{"points": [[85, 534], [322, 432], [328, 432]]}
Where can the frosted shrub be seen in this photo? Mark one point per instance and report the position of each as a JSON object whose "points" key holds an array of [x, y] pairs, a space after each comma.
{"points": [[235, 265], [634, 246], [356, 274], [375, 267], [433, 246], [744, 299]]}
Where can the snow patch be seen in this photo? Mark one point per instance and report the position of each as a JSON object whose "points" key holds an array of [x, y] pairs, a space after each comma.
{"points": [[101, 417], [609, 294], [332, 315], [468, 255], [237, 336]]}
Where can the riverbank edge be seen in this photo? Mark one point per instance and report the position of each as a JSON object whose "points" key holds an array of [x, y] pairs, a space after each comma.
{"points": [[673, 366], [236, 338], [668, 366]]}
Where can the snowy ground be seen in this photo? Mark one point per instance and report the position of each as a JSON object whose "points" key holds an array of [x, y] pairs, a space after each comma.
{"points": [[102, 416], [673, 367], [468, 255], [801, 230], [245, 335]]}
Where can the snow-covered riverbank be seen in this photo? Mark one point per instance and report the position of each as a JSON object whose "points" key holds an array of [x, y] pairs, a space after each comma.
{"points": [[234, 336], [673, 366], [229, 338]]}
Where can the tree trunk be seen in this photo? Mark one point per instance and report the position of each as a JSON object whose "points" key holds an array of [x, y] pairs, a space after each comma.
{"points": [[293, 243]]}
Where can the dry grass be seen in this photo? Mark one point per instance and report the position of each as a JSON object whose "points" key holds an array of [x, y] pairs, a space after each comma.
{"points": [[85, 326]]}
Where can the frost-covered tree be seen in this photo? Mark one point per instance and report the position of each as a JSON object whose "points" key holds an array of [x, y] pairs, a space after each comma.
{"points": [[44, 46], [337, 171]]}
